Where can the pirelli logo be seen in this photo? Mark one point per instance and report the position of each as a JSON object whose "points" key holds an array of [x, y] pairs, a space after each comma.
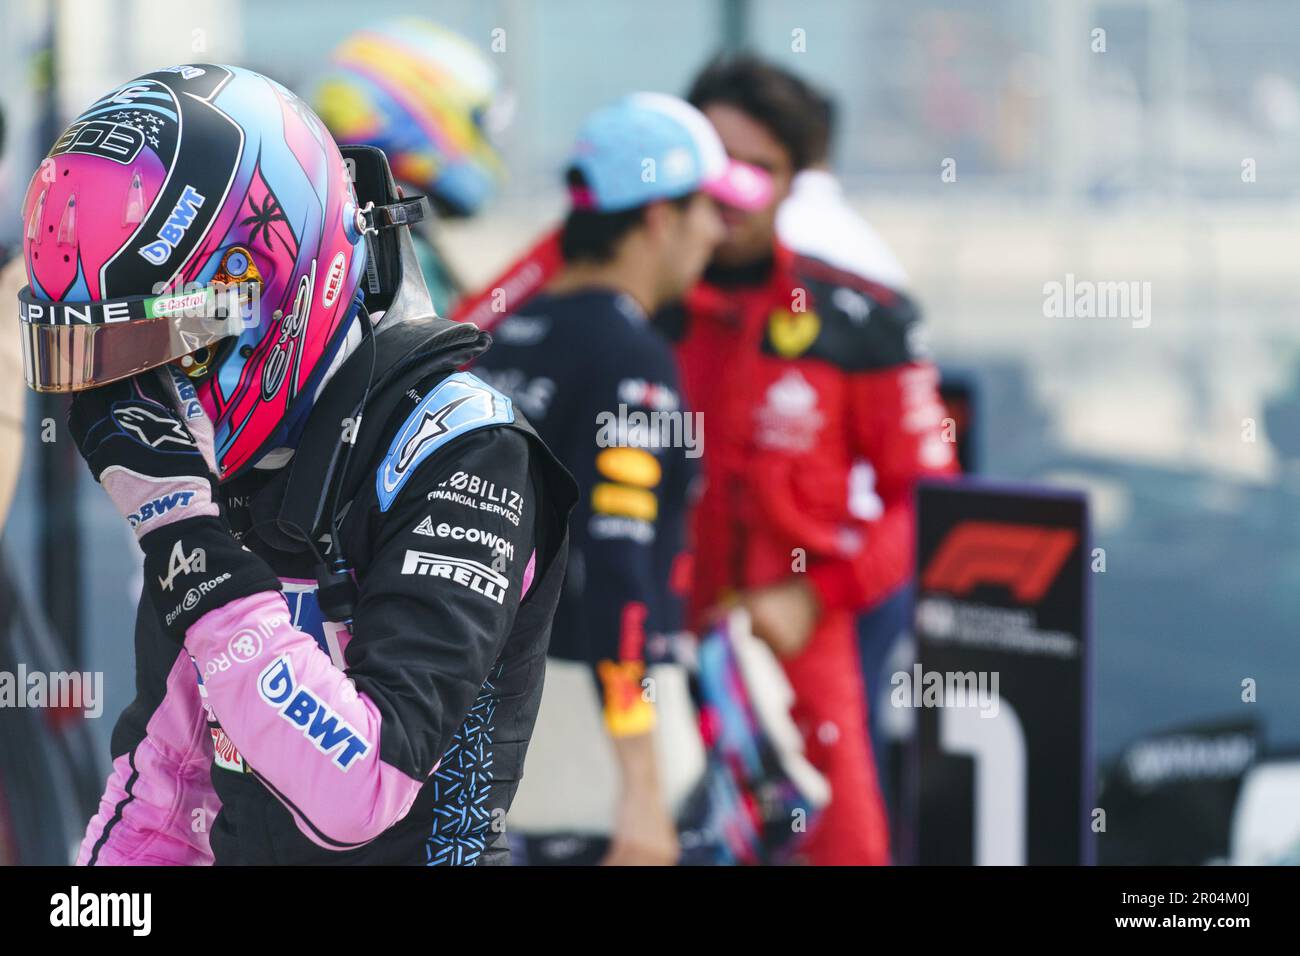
{"points": [[470, 574]]}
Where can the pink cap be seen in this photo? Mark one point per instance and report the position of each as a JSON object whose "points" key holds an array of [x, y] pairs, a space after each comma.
{"points": [[741, 185]]}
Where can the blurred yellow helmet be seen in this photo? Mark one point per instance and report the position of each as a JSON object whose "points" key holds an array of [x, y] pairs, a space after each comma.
{"points": [[428, 98]]}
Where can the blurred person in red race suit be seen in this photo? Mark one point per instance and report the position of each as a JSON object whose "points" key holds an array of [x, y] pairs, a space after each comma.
{"points": [[817, 220], [820, 413], [646, 179]]}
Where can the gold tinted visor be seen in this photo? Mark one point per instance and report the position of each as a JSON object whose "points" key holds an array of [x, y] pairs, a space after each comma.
{"points": [[73, 346]]}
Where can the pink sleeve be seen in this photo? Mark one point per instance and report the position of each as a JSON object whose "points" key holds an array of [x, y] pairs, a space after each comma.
{"points": [[159, 804], [299, 722]]}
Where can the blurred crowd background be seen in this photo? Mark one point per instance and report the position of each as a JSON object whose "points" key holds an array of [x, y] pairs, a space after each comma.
{"points": [[1118, 140]]}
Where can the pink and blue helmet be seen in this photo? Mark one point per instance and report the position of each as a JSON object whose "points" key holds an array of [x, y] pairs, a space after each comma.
{"points": [[165, 195]]}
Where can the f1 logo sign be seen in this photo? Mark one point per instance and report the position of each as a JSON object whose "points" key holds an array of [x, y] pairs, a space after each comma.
{"points": [[1024, 558]]}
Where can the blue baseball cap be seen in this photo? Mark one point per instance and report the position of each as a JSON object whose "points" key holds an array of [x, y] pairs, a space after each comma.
{"points": [[651, 146]]}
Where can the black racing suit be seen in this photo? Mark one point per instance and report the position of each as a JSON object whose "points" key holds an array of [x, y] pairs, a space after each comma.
{"points": [[278, 736]]}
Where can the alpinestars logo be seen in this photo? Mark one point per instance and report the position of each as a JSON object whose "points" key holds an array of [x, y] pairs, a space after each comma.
{"points": [[182, 563], [148, 428], [461, 404], [467, 573], [431, 426]]}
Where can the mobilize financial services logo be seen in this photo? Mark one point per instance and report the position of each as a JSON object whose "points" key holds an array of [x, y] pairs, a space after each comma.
{"points": [[466, 572]]}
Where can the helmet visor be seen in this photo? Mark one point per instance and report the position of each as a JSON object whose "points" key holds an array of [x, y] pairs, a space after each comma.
{"points": [[74, 346]]}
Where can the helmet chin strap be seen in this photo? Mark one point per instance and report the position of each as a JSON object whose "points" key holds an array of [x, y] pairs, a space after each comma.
{"points": [[393, 282], [412, 296], [403, 212]]}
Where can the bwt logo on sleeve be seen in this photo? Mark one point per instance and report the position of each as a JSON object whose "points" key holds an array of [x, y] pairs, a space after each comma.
{"points": [[173, 231], [328, 732], [159, 507]]}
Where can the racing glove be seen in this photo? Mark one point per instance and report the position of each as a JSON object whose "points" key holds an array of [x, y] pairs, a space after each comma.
{"points": [[148, 441]]}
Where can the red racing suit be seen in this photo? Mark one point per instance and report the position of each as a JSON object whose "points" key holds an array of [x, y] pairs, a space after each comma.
{"points": [[814, 396]]}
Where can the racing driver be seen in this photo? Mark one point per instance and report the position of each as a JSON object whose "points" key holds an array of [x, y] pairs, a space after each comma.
{"points": [[264, 392]]}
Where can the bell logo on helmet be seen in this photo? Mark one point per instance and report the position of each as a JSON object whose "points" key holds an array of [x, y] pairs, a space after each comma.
{"points": [[170, 235], [333, 281]]}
